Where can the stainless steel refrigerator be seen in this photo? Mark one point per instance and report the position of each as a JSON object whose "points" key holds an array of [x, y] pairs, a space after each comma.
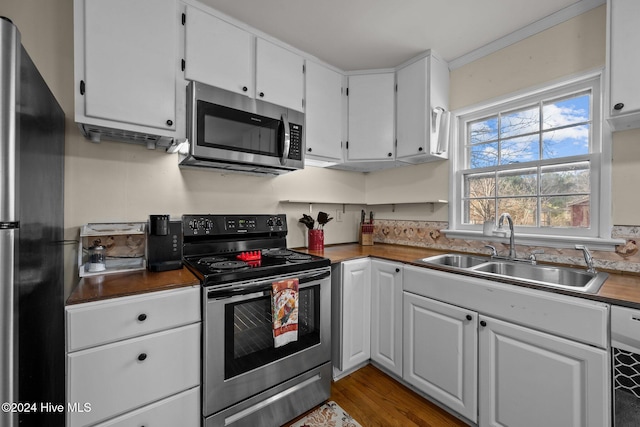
{"points": [[31, 238]]}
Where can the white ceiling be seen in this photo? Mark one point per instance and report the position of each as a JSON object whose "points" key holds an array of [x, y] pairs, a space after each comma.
{"points": [[366, 34]]}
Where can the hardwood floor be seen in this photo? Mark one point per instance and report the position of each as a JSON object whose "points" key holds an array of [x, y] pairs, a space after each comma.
{"points": [[374, 399]]}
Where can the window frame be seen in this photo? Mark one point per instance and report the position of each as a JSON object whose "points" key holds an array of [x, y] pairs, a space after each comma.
{"points": [[598, 234]]}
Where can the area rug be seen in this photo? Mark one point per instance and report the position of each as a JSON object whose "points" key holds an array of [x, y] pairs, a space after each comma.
{"points": [[328, 415]]}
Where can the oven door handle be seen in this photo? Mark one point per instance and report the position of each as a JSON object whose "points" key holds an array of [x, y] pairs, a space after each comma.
{"points": [[262, 286]]}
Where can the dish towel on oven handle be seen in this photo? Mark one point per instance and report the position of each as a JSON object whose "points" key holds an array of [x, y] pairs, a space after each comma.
{"points": [[284, 311]]}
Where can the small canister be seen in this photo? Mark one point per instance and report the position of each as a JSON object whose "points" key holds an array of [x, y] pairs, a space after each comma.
{"points": [[97, 258]]}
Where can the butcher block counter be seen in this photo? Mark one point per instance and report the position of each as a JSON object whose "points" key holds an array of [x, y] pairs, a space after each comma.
{"points": [[620, 288], [96, 288]]}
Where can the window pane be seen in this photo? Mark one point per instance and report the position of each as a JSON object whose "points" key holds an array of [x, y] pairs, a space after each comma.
{"points": [[519, 150], [570, 141], [483, 130], [477, 211], [521, 182], [520, 122], [566, 111], [570, 178], [484, 155], [480, 185], [566, 211], [523, 210]]}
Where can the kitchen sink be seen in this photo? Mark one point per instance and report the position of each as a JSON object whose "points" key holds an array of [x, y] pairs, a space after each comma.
{"points": [[521, 271], [560, 277], [454, 260]]}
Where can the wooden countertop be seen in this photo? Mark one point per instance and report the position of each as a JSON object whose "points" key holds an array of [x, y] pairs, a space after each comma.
{"points": [[620, 288], [96, 288]]}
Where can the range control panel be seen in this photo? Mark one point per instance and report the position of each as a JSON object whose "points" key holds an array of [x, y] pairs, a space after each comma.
{"points": [[217, 225]]}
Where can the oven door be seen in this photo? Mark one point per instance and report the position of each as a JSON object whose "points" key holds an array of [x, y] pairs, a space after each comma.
{"points": [[239, 357]]}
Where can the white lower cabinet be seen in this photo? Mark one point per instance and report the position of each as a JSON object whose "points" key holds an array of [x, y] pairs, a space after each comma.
{"points": [[529, 378], [153, 375], [386, 315], [440, 354], [521, 370], [351, 302]]}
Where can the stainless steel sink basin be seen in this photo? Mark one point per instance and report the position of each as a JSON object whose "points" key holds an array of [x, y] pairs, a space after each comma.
{"points": [[454, 260], [560, 277], [519, 271]]}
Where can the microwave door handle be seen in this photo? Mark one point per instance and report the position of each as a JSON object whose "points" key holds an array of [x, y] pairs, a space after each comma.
{"points": [[287, 140]]}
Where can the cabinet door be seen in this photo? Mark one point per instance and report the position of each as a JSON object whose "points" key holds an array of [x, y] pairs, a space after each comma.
{"points": [[529, 378], [279, 76], [413, 115], [356, 313], [323, 112], [371, 117], [624, 65], [386, 315], [130, 60], [218, 53], [440, 352]]}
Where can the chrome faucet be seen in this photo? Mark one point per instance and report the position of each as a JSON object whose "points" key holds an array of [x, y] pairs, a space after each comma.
{"points": [[588, 258], [512, 246]]}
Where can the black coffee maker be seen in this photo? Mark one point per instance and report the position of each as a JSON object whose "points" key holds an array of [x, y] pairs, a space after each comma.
{"points": [[164, 243]]}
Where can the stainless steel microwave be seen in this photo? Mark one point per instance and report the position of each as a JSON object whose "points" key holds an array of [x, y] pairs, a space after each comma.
{"points": [[236, 133]]}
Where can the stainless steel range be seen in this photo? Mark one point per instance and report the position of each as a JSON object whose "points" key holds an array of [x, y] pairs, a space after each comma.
{"points": [[249, 380]]}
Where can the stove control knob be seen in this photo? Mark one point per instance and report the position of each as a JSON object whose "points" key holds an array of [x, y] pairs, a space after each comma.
{"points": [[208, 225], [279, 222], [270, 222]]}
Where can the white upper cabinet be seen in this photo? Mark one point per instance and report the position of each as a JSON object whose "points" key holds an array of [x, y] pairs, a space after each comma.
{"points": [[126, 64], [371, 117], [422, 104], [624, 64], [323, 112], [218, 53], [279, 75]]}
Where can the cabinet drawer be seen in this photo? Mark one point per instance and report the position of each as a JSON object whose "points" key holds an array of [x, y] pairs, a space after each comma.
{"points": [[102, 322], [116, 378], [180, 410], [625, 328]]}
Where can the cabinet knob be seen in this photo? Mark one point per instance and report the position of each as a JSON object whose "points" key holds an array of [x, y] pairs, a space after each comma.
{"points": [[244, 88], [261, 94], [309, 149], [419, 148], [142, 317], [483, 323], [619, 106], [469, 318], [397, 270], [169, 122], [142, 356], [390, 154]]}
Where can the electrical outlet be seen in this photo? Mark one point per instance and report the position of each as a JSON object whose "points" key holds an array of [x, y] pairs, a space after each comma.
{"points": [[339, 215]]}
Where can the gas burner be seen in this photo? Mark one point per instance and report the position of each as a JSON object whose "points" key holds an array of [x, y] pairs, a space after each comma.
{"points": [[298, 257], [228, 265], [211, 260]]}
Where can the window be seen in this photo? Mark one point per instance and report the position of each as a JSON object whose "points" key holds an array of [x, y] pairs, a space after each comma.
{"points": [[537, 156]]}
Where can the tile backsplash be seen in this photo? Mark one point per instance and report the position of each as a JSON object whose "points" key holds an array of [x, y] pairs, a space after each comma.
{"points": [[428, 234]]}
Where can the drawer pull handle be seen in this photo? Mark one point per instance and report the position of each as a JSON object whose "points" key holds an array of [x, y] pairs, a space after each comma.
{"points": [[469, 318], [483, 323], [142, 317], [142, 357]]}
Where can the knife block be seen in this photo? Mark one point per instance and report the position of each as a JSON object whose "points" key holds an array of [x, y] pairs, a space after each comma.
{"points": [[365, 237]]}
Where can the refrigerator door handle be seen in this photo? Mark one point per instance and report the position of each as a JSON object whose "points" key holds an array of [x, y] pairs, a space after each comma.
{"points": [[7, 323]]}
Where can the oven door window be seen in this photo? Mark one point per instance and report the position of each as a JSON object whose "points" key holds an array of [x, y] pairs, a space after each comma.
{"points": [[249, 332], [230, 129]]}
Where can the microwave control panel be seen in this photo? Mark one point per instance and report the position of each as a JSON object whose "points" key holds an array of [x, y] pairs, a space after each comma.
{"points": [[295, 149]]}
